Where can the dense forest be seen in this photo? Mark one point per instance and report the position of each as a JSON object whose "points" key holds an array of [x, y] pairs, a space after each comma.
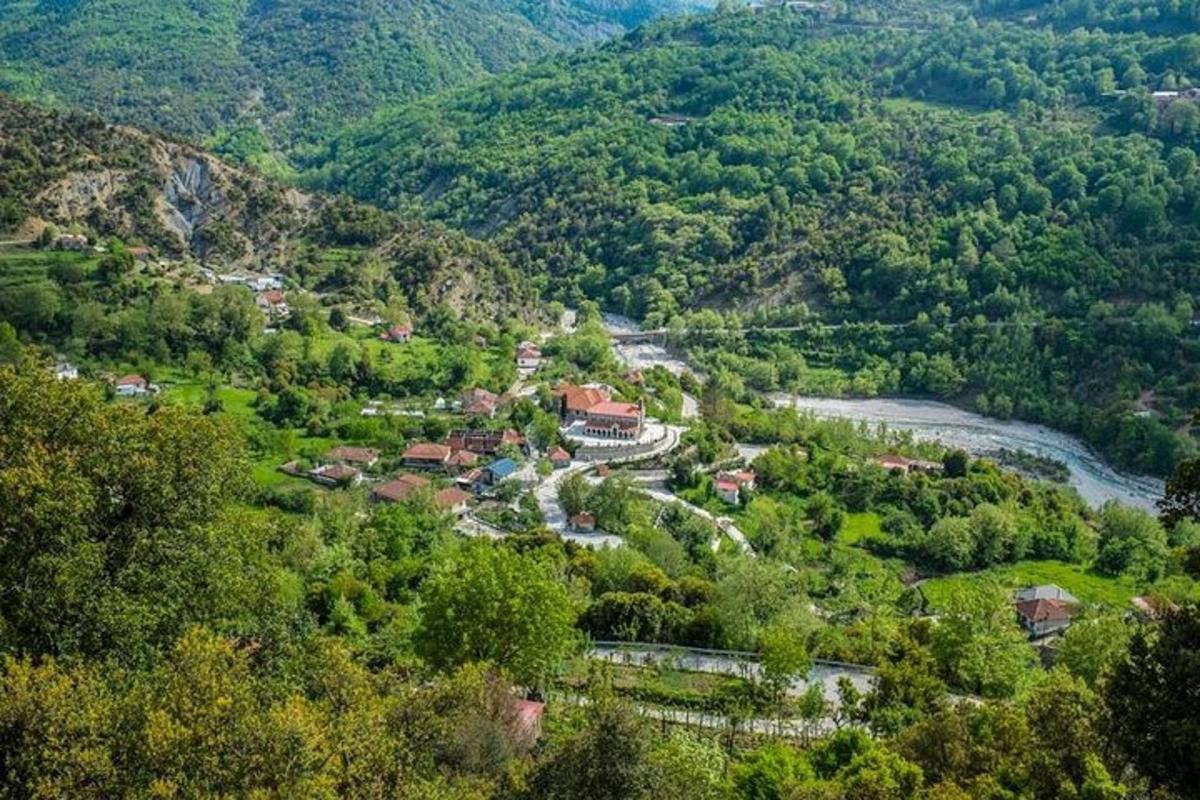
{"points": [[263, 76], [326, 471], [1013, 198]]}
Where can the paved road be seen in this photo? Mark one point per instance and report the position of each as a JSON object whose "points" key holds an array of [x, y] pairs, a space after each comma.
{"points": [[739, 665], [546, 494], [724, 524]]}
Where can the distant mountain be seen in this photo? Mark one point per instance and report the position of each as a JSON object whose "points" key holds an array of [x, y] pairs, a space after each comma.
{"points": [[76, 173], [264, 74], [846, 167]]}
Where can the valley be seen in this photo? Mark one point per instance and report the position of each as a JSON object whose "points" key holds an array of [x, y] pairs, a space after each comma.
{"points": [[614, 399]]}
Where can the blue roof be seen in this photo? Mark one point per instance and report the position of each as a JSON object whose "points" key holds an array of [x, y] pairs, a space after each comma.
{"points": [[502, 468]]}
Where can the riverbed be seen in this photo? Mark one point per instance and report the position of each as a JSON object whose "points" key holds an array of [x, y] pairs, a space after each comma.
{"points": [[1095, 480]]}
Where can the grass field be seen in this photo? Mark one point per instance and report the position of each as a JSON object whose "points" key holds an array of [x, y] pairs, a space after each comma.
{"points": [[859, 527], [1087, 586]]}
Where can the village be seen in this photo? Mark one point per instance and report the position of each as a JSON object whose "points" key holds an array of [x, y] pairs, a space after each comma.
{"points": [[488, 468]]}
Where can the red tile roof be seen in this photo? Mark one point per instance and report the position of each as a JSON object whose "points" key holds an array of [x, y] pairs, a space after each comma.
{"points": [[355, 455], [427, 451], [400, 487], [580, 398], [338, 472], [449, 498], [463, 458], [610, 408], [273, 297], [558, 454], [131, 380], [1034, 611]]}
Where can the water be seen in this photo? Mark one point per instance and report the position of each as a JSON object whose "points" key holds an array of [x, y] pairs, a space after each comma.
{"points": [[1096, 481]]}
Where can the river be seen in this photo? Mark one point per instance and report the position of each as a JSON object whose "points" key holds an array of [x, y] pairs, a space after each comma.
{"points": [[1095, 480]]}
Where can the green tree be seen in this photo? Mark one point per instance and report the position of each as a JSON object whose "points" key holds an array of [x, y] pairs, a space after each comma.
{"points": [[1092, 645], [978, 644], [1152, 717], [117, 529], [489, 604]]}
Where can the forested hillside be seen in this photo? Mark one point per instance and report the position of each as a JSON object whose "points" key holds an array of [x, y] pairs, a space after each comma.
{"points": [[264, 73], [122, 190], [1011, 199]]}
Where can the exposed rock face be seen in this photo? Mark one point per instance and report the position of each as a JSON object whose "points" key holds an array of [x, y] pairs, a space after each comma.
{"points": [[123, 182], [75, 171]]}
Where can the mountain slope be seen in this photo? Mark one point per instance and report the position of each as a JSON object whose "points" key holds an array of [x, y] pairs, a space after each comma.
{"points": [[917, 172], [75, 172], [292, 68]]}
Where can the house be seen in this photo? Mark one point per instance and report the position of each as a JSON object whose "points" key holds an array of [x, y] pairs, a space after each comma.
{"points": [[574, 402], [483, 442], [398, 489], [453, 500], [397, 334], [1043, 610], [335, 475], [583, 522], [133, 386], [272, 303], [71, 241], [907, 465], [480, 402], [462, 460], [614, 420], [1045, 592], [559, 458], [475, 480], [728, 491], [427, 455], [730, 485], [65, 371], [529, 356], [499, 471], [363, 457]]}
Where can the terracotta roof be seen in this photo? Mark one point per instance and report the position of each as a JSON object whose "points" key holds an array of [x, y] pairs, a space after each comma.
{"points": [[463, 458], [130, 380], [400, 487], [273, 297], [338, 472], [479, 401], [427, 451], [449, 498], [355, 455], [893, 462], [610, 408], [740, 478], [558, 454], [727, 485], [396, 332], [1034, 611], [580, 398], [478, 393]]}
